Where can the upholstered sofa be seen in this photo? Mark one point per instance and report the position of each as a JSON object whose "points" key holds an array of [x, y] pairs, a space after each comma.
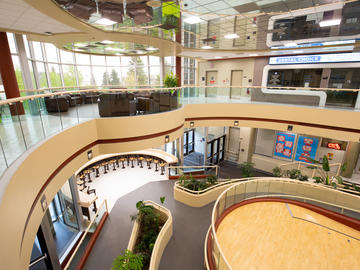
{"points": [[57, 104], [116, 104], [139, 12]]}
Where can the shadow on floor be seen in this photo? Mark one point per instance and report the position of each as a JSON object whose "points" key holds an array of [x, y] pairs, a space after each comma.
{"points": [[184, 250], [230, 169]]}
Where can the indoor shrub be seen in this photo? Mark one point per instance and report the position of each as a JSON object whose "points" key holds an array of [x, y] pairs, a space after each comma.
{"points": [[277, 171], [127, 261], [247, 169]]}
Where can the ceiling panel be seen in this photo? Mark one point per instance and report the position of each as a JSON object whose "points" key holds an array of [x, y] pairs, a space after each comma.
{"points": [[17, 15]]}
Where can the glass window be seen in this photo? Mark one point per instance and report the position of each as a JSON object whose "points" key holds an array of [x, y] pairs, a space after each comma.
{"points": [[18, 72], [54, 75], [100, 75], [83, 59], [142, 60], [155, 75], [37, 50], [169, 60], [84, 75], [32, 73], [154, 60], [142, 76], [265, 141], [125, 61], [128, 75], [11, 40], [26, 43], [51, 53], [69, 75], [98, 60], [113, 60], [66, 57], [169, 69], [41, 75], [114, 76]]}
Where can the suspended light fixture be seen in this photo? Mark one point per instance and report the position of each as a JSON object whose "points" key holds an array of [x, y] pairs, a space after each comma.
{"points": [[96, 17]]}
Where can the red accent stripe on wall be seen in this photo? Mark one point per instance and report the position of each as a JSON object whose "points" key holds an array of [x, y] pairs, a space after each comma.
{"points": [[82, 150]]}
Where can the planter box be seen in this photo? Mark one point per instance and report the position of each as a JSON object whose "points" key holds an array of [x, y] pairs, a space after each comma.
{"points": [[161, 240]]}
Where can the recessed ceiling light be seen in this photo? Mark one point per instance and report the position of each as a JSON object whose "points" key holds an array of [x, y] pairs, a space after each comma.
{"points": [[231, 36], [253, 54], [104, 21], [290, 44], [151, 49], [193, 20], [107, 42], [206, 47], [218, 57], [298, 51], [114, 49], [330, 22], [140, 52]]}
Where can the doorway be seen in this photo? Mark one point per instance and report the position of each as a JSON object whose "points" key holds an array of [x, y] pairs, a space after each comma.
{"points": [[232, 152], [211, 80], [236, 79]]}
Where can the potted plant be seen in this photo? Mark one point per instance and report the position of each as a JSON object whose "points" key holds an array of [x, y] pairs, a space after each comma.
{"points": [[127, 261], [247, 169]]}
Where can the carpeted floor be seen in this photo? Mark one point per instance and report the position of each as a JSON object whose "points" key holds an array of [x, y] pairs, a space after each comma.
{"points": [[185, 249]]}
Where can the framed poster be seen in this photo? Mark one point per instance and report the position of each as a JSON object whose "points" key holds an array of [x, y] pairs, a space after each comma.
{"points": [[306, 148], [284, 145]]}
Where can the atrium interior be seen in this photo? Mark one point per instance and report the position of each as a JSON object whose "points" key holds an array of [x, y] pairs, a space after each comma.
{"points": [[179, 134]]}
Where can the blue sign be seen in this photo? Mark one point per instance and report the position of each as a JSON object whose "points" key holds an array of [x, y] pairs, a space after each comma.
{"points": [[316, 58], [306, 148], [284, 145]]}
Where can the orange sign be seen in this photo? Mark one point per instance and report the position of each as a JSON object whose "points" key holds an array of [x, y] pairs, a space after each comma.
{"points": [[335, 146]]}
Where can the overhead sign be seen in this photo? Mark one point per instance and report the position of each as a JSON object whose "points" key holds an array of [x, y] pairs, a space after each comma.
{"points": [[315, 58], [284, 145], [335, 146], [306, 148]]}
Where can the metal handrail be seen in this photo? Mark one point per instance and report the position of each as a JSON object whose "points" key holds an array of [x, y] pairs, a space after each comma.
{"points": [[122, 89], [299, 163], [200, 167]]}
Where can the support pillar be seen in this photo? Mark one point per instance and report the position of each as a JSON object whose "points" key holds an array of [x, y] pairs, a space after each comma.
{"points": [[8, 75], [180, 148], [351, 156], [178, 59]]}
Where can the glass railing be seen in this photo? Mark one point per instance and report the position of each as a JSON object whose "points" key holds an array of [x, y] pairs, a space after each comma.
{"points": [[81, 247], [37, 114], [193, 170], [333, 200]]}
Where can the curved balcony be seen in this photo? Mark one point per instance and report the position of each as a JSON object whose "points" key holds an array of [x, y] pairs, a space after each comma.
{"points": [[27, 120], [335, 205]]}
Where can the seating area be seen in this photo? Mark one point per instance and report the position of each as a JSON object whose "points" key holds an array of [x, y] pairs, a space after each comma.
{"points": [[64, 102], [119, 162]]}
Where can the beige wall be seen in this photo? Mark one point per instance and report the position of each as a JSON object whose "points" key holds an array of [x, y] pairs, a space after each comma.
{"points": [[224, 68], [28, 174], [32, 172]]}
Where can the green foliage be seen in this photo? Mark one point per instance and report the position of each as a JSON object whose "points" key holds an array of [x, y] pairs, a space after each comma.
{"points": [[357, 188], [277, 171], [141, 77], [171, 80], [106, 78], [293, 174], [339, 179], [114, 78], [303, 177], [247, 169], [150, 225], [162, 200], [189, 182], [128, 261], [318, 179]]}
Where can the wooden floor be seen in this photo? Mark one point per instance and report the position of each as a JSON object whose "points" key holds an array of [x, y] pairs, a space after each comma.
{"points": [[264, 235]]}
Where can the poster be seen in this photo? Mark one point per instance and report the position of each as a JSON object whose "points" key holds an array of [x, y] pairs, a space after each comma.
{"points": [[306, 148], [284, 145]]}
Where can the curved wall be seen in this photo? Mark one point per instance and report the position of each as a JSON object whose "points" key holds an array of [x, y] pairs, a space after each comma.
{"points": [[43, 169]]}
